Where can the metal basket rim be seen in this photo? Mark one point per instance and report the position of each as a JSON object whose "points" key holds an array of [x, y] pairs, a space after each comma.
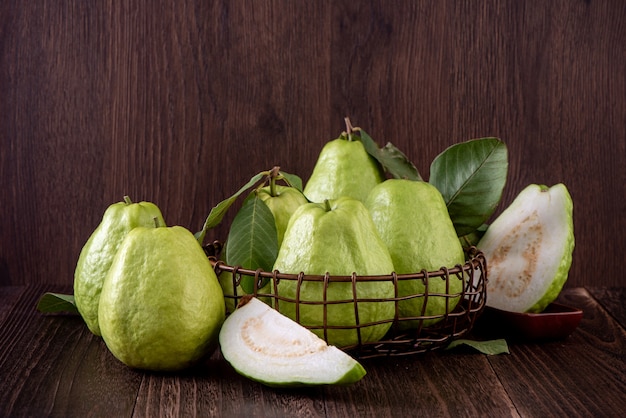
{"points": [[475, 257]]}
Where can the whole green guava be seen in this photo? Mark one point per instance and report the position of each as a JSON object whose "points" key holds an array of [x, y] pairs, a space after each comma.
{"points": [[97, 254], [283, 202], [161, 306], [343, 168], [338, 237], [413, 221]]}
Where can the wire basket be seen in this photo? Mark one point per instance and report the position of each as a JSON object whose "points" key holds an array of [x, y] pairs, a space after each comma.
{"points": [[428, 331]]}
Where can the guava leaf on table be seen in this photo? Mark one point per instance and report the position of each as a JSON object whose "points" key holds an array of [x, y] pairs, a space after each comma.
{"points": [[252, 240], [471, 176], [393, 161], [57, 302], [489, 347]]}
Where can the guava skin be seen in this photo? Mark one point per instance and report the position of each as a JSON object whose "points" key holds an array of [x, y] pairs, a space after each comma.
{"points": [[97, 254], [282, 204], [337, 237], [161, 306], [529, 249], [343, 168], [225, 279], [412, 219]]}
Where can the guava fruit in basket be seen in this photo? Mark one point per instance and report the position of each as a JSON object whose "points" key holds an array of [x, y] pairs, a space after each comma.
{"points": [[336, 237], [282, 202], [529, 249], [412, 220], [270, 348], [343, 168]]}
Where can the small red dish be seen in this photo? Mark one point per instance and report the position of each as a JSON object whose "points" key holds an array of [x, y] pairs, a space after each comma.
{"points": [[555, 322]]}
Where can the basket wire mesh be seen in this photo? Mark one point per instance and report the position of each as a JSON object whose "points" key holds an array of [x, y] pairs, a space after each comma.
{"points": [[428, 332]]}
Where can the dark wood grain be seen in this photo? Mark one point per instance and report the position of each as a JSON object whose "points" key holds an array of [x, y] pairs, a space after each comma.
{"points": [[435, 384], [50, 365], [54, 366], [613, 299], [9, 295], [588, 368], [181, 103]]}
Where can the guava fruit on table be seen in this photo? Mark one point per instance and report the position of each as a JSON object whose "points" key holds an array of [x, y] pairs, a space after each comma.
{"points": [[336, 237], [529, 248], [161, 306], [343, 168], [270, 348], [413, 221], [97, 254]]}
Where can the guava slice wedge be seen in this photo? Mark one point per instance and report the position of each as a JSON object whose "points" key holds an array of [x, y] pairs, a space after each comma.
{"points": [[268, 347], [528, 249]]}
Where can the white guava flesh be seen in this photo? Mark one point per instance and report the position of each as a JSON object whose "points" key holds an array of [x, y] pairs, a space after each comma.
{"points": [[528, 249], [266, 346]]}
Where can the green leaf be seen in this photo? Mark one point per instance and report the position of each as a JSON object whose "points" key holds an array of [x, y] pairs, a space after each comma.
{"points": [[219, 211], [57, 302], [393, 161], [292, 180], [252, 240], [471, 176], [491, 347], [473, 238]]}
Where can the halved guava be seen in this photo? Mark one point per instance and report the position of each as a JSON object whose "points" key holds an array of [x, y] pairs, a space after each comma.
{"points": [[266, 346], [528, 249]]}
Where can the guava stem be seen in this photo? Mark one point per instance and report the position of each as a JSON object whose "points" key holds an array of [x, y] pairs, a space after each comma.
{"points": [[327, 205], [349, 128], [157, 222], [273, 187], [274, 173], [127, 200]]}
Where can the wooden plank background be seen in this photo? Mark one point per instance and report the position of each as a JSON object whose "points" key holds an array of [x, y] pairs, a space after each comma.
{"points": [[182, 102]]}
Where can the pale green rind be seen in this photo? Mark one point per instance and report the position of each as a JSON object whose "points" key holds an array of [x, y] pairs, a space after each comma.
{"points": [[412, 220], [267, 347], [351, 377], [343, 168], [529, 249], [97, 254], [161, 306], [341, 241]]}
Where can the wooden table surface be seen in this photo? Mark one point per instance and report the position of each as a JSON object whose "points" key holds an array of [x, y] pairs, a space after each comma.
{"points": [[50, 365]]}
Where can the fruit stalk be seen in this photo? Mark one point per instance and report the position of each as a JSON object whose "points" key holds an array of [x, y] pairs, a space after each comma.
{"points": [[274, 175], [349, 128]]}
